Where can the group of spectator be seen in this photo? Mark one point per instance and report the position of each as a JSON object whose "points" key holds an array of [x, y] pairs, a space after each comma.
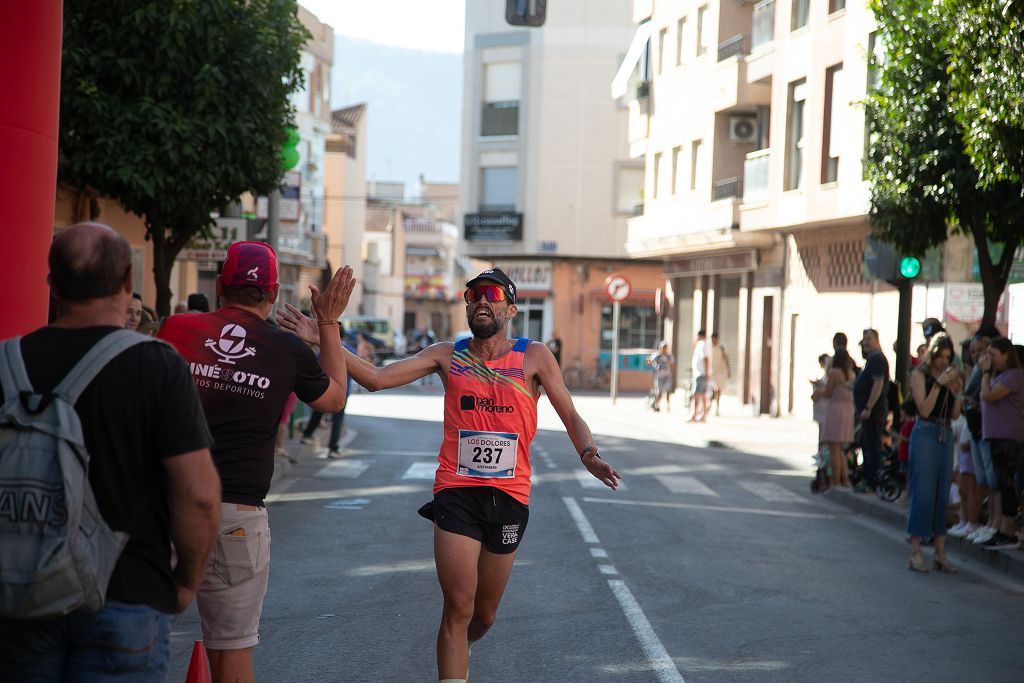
{"points": [[710, 367], [959, 435]]}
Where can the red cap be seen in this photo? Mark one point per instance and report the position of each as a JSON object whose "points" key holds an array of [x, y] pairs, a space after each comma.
{"points": [[249, 264]]}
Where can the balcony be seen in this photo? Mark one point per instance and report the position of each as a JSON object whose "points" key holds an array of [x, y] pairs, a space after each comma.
{"points": [[755, 171], [736, 46], [308, 249], [763, 32]]}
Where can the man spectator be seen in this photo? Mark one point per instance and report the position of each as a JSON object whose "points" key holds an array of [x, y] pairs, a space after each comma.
{"points": [[872, 406], [245, 369], [198, 303], [134, 315], [555, 345], [180, 307], [931, 327], [721, 371], [150, 471], [701, 370], [664, 365]]}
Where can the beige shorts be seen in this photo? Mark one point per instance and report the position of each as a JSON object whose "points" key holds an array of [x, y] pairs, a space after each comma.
{"points": [[230, 598]]}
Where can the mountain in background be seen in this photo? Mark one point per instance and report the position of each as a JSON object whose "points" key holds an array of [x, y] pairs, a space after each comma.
{"points": [[414, 105]]}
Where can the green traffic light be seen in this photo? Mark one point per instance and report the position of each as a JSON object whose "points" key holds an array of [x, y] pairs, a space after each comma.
{"points": [[910, 267]]}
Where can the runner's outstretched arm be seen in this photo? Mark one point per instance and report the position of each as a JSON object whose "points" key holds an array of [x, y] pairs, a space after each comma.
{"points": [[550, 377], [428, 361]]}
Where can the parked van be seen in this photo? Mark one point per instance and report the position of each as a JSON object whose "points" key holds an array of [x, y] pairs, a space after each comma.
{"points": [[379, 330]]}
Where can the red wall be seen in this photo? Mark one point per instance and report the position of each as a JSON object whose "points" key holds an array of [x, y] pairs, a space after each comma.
{"points": [[30, 42]]}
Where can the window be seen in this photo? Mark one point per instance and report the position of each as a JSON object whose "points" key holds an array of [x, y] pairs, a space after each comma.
{"points": [[695, 162], [836, 5], [680, 32], [662, 39], [676, 153], [500, 109], [801, 10], [702, 30], [630, 190], [795, 134], [657, 175], [499, 188], [832, 124], [876, 58], [638, 327]]}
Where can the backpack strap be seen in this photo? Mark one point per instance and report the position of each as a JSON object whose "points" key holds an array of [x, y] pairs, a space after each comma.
{"points": [[13, 376], [104, 351]]}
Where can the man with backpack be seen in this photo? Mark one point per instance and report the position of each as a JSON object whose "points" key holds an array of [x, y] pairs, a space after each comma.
{"points": [[104, 463]]}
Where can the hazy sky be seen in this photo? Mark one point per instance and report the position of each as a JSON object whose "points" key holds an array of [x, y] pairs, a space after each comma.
{"points": [[434, 25]]}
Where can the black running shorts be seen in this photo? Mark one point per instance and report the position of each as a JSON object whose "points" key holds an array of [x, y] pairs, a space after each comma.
{"points": [[484, 513]]}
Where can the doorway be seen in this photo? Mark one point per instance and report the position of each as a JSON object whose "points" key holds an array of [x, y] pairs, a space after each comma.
{"points": [[768, 332]]}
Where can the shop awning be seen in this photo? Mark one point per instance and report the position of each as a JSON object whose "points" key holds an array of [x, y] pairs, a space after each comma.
{"points": [[636, 50]]}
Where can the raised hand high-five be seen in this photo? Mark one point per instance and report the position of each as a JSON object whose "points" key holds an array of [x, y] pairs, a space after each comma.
{"points": [[331, 303]]}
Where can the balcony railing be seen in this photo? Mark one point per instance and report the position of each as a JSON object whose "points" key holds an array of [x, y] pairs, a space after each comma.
{"points": [[737, 45], [755, 172], [726, 188], [763, 32]]}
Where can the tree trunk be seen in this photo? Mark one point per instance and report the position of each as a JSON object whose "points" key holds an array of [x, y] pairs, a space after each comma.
{"points": [[994, 276]]}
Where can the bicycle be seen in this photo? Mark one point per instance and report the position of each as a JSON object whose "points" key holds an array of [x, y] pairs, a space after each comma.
{"points": [[577, 377]]}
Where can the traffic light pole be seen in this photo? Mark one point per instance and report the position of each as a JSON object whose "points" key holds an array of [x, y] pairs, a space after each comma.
{"points": [[903, 324]]}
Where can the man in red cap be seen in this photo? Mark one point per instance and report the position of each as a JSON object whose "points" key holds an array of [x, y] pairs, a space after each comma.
{"points": [[244, 369]]}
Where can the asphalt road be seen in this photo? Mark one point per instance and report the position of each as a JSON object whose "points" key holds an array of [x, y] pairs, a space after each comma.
{"points": [[708, 565]]}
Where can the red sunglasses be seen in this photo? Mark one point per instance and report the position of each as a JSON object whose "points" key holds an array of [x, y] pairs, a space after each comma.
{"points": [[493, 293]]}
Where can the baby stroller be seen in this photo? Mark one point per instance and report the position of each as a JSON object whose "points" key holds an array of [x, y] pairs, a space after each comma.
{"points": [[890, 482]]}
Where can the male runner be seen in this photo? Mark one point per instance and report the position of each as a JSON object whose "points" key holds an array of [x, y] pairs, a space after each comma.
{"points": [[482, 483]]}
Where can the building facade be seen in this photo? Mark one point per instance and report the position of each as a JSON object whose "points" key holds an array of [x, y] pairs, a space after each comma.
{"points": [[345, 195], [547, 183]]}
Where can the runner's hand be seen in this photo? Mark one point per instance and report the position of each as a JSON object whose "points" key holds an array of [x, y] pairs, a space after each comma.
{"points": [[302, 326], [331, 303], [602, 470]]}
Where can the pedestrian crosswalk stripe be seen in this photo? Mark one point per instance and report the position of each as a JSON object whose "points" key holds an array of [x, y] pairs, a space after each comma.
{"points": [[772, 492], [681, 483], [589, 481], [420, 470], [348, 469]]}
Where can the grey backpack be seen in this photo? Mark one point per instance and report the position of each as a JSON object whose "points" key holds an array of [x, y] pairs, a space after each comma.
{"points": [[56, 552]]}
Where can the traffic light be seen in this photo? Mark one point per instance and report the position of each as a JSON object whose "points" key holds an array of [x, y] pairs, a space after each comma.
{"points": [[525, 12], [882, 262], [289, 153], [910, 267]]}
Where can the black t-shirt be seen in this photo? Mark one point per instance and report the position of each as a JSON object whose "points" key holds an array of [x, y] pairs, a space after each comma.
{"points": [[140, 409], [244, 368], [875, 367]]}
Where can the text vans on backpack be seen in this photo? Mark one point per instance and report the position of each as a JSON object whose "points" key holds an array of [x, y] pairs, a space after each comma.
{"points": [[57, 552]]}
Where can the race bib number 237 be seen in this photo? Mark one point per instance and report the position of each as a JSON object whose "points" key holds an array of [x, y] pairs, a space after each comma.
{"points": [[487, 454]]}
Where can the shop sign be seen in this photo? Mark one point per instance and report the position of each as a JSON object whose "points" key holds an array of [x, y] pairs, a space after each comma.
{"points": [[494, 227], [719, 264], [214, 247], [290, 206], [528, 275], [965, 303]]}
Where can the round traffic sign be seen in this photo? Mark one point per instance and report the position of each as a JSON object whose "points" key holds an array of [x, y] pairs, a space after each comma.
{"points": [[617, 287]]}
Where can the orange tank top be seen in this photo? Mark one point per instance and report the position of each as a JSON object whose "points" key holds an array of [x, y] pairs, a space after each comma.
{"points": [[490, 418]]}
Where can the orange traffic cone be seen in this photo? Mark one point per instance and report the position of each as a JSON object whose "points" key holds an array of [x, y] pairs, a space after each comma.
{"points": [[198, 666]]}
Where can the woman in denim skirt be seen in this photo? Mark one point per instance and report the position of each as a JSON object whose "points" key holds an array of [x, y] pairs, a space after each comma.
{"points": [[936, 387]]}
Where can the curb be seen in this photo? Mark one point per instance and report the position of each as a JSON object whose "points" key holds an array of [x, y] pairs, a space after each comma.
{"points": [[1011, 562]]}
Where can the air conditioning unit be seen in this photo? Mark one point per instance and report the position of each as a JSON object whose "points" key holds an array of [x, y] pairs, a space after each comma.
{"points": [[743, 129]]}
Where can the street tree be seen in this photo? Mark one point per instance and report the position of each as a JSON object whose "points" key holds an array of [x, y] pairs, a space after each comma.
{"points": [[176, 107], [923, 182]]}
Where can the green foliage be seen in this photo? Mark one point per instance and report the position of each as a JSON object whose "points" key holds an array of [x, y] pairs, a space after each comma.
{"points": [[987, 60], [177, 107], [923, 179]]}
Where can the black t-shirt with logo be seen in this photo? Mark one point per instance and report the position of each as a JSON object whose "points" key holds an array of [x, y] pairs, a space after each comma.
{"points": [[244, 368], [141, 408]]}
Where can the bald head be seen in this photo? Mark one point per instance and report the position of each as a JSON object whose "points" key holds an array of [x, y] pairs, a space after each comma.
{"points": [[89, 261]]}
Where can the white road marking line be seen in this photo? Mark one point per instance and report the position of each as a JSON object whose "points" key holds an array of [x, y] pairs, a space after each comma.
{"points": [[582, 524], [772, 492], [714, 508], [348, 469], [672, 469], [420, 470], [680, 483], [660, 661], [608, 569], [589, 481], [362, 451], [598, 552]]}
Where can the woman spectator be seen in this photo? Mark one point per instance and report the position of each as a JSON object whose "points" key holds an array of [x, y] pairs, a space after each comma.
{"points": [[837, 430], [935, 386], [1002, 426]]}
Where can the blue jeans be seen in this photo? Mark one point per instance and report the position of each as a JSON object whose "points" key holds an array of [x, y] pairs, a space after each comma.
{"points": [[336, 422], [123, 643], [931, 468], [984, 472]]}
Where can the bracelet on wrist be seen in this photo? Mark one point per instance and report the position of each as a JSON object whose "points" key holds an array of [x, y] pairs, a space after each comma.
{"points": [[589, 449], [325, 323]]}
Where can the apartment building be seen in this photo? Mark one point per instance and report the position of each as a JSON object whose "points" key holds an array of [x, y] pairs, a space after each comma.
{"points": [[345, 195], [749, 119], [547, 182]]}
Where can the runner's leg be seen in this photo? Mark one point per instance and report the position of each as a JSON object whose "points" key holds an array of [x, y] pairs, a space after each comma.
{"points": [[456, 558], [492, 576]]}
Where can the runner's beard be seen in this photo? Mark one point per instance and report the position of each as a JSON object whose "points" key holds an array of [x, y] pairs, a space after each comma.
{"points": [[485, 330]]}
